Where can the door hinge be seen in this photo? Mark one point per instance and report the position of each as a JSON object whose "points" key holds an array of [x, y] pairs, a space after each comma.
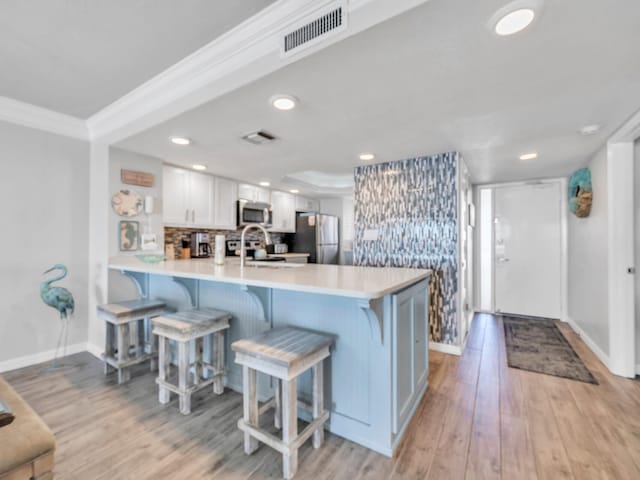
{"points": [[631, 270]]}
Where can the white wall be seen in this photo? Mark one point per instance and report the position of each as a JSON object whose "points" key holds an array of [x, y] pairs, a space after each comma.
{"points": [[122, 159], [119, 288], [588, 261], [44, 196], [637, 244]]}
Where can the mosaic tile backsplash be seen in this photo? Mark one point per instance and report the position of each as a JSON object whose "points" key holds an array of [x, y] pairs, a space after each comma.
{"points": [[176, 235], [412, 205]]}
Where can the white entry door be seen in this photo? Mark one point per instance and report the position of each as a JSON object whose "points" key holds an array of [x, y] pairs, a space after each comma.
{"points": [[528, 249]]}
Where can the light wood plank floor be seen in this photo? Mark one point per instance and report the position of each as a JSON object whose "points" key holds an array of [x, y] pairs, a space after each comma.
{"points": [[479, 419]]}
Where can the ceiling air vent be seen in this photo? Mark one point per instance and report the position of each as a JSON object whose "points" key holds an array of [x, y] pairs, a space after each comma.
{"points": [[333, 21], [258, 138]]}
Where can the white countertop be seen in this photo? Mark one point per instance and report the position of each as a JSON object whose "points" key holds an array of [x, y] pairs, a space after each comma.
{"points": [[289, 255], [344, 281]]}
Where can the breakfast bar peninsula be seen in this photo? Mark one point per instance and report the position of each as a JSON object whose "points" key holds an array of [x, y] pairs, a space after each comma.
{"points": [[378, 369]]}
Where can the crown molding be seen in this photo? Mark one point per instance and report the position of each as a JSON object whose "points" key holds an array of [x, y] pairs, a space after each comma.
{"points": [[246, 53], [628, 132], [28, 115], [249, 51]]}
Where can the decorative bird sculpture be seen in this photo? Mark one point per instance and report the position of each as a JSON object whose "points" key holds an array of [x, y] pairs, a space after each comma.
{"points": [[62, 300]]}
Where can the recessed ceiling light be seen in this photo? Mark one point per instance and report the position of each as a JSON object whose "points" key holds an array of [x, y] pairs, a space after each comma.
{"points": [[367, 156], [514, 22], [283, 102], [515, 16], [199, 167], [590, 130], [529, 156], [264, 184], [295, 191], [180, 141]]}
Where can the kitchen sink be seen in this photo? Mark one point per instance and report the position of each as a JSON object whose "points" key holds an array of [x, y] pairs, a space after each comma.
{"points": [[273, 264]]}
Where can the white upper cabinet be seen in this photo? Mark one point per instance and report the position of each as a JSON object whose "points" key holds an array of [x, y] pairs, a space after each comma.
{"points": [[224, 205], [284, 212], [253, 193], [187, 197], [304, 204], [175, 186]]}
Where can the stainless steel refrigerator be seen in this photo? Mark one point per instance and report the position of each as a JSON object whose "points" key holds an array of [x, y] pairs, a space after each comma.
{"points": [[317, 234]]}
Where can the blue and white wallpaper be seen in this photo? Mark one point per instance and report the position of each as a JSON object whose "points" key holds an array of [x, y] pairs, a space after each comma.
{"points": [[412, 204]]}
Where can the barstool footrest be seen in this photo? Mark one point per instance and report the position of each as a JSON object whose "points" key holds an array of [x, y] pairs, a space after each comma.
{"points": [[191, 389], [275, 442], [115, 363]]}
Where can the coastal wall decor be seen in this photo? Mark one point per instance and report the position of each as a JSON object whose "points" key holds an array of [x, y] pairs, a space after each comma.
{"points": [[127, 203], [128, 235], [580, 193], [141, 179], [406, 216], [62, 300]]}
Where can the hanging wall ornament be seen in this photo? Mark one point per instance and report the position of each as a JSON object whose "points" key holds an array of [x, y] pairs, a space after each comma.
{"points": [[580, 193]]}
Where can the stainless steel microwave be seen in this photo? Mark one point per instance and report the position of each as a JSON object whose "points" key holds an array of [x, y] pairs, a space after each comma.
{"points": [[251, 213]]}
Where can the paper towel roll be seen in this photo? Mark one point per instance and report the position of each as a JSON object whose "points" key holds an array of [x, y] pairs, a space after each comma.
{"points": [[220, 250]]}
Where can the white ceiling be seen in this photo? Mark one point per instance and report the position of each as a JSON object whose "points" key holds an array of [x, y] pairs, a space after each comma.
{"points": [[77, 56], [432, 80]]}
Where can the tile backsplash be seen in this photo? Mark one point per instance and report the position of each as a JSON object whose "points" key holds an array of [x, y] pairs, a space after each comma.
{"points": [[175, 236]]}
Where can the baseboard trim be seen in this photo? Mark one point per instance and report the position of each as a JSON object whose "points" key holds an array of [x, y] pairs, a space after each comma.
{"points": [[40, 357], [95, 350], [446, 348], [604, 358]]}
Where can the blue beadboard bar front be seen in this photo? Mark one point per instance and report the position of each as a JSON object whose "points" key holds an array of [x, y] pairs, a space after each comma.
{"points": [[366, 384]]}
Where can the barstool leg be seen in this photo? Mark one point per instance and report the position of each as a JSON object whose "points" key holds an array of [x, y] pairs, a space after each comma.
{"points": [[109, 346], [289, 426], [218, 364], [183, 377], [277, 415], [318, 402], [142, 338], [197, 367], [123, 352], [164, 395], [250, 407], [154, 349]]}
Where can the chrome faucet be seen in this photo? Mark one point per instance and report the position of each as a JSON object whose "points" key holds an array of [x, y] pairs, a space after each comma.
{"points": [[243, 249]]}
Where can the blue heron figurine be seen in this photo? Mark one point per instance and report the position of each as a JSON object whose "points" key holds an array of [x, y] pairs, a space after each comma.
{"points": [[62, 300]]}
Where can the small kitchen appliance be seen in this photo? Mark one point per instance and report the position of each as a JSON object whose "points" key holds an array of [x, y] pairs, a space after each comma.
{"points": [[200, 247], [253, 212]]}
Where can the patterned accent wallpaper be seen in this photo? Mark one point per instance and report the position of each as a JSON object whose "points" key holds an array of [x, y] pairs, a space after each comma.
{"points": [[411, 205]]}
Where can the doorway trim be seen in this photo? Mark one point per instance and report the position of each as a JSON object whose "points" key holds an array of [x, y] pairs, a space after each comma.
{"points": [[564, 266], [621, 248]]}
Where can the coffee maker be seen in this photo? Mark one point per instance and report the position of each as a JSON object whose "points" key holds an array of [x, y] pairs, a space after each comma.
{"points": [[200, 247]]}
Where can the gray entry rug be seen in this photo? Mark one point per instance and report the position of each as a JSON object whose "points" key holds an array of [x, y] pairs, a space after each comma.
{"points": [[537, 345]]}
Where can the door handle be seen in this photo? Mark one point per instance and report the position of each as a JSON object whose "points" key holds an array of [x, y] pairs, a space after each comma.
{"points": [[193, 215], [265, 216], [503, 260], [186, 215]]}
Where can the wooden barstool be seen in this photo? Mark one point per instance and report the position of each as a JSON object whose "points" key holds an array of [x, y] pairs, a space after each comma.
{"points": [[283, 353], [126, 346], [183, 327]]}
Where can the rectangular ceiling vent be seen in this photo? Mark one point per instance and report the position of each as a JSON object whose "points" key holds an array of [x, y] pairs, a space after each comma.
{"points": [[259, 138], [313, 32]]}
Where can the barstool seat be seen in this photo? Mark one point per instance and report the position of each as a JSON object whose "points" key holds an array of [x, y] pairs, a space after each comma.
{"points": [[183, 327], [125, 347], [284, 353]]}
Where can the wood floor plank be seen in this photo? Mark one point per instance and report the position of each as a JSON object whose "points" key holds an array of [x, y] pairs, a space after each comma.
{"points": [[479, 419]]}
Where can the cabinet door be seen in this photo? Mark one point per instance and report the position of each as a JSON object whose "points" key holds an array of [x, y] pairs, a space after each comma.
{"points": [[420, 339], [284, 213], [247, 192], [403, 384], [201, 199], [224, 208], [262, 195], [175, 188]]}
